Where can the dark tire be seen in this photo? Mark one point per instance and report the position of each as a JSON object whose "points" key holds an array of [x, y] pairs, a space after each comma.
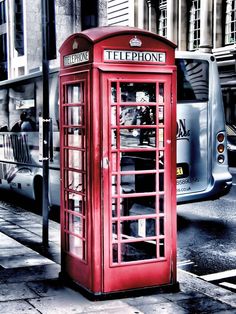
{"points": [[38, 192]]}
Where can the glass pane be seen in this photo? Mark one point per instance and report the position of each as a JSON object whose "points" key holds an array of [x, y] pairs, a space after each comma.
{"points": [[161, 138], [161, 115], [134, 206], [136, 137], [75, 181], [137, 251], [161, 93], [114, 207], [138, 183], [138, 161], [113, 115], [114, 231], [161, 226], [76, 137], [75, 115], [138, 92], [76, 225], [115, 253], [161, 160], [162, 248], [114, 162], [161, 182], [193, 81], [75, 159], [161, 204], [76, 246], [75, 93], [113, 92], [138, 228], [137, 115], [76, 202]]}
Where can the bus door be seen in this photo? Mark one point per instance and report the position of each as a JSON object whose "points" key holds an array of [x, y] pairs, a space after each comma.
{"points": [[137, 154]]}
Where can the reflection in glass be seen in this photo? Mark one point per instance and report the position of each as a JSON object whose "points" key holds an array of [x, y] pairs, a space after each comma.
{"points": [[115, 253], [75, 159], [161, 160], [161, 226], [138, 92], [161, 204], [161, 137], [137, 115], [134, 183], [141, 160], [114, 231], [137, 251], [74, 115], [76, 225], [114, 207], [76, 137], [161, 114], [135, 206], [161, 182], [138, 228], [76, 246], [161, 93], [75, 181], [113, 92], [136, 137], [74, 94], [76, 202], [162, 247]]}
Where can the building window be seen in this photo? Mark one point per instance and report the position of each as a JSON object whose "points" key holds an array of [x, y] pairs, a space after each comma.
{"points": [[3, 42], [194, 25], [162, 29], [230, 22], [19, 27], [2, 12]]}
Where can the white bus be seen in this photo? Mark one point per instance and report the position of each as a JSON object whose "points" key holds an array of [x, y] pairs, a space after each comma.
{"points": [[202, 167], [202, 163]]}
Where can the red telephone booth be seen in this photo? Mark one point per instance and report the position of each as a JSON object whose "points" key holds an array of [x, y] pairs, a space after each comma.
{"points": [[118, 170]]}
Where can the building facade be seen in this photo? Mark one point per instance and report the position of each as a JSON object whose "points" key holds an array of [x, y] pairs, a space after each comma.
{"points": [[208, 25]]}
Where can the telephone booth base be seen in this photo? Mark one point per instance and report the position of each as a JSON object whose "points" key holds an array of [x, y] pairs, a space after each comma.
{"points": [[168, 288]]}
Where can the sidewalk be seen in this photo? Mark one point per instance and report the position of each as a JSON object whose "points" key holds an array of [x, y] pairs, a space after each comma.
{"points": [[29, 281]]}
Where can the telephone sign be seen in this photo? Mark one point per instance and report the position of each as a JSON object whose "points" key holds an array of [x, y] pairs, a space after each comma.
{"points": [[118, 168]]}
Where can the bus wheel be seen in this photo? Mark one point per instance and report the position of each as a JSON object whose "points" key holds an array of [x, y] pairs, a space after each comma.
{"points": [[38, 193]]}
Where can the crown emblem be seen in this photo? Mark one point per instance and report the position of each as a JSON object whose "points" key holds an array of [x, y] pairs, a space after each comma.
{"points": [[75, 45], [135, 42]]}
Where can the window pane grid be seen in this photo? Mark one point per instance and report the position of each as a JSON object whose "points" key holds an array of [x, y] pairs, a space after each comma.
{"points": [[163, 18], [230, 22], [194, 25], [137, 171]]}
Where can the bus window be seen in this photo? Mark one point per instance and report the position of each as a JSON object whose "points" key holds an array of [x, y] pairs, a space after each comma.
{"points": [[22, 108], [3, 110], [192, 78]]}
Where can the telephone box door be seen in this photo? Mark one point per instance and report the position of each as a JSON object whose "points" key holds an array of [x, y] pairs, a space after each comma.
{"points": [[74, 204], [138, 187]]}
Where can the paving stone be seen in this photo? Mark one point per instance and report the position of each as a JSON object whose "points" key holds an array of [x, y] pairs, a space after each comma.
{"points": [[163, 308], [203, 305], [11, 307], [15, 291]]}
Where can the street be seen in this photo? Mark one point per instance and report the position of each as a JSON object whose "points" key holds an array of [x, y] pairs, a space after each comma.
{"points": [[206, 239]]}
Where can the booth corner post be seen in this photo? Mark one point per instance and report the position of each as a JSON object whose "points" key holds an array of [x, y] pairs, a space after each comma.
{"points": [[48, 53]]}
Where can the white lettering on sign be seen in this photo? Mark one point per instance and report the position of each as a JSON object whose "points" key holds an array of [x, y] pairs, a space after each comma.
{"points": [[76, 58], [134, 56]]}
